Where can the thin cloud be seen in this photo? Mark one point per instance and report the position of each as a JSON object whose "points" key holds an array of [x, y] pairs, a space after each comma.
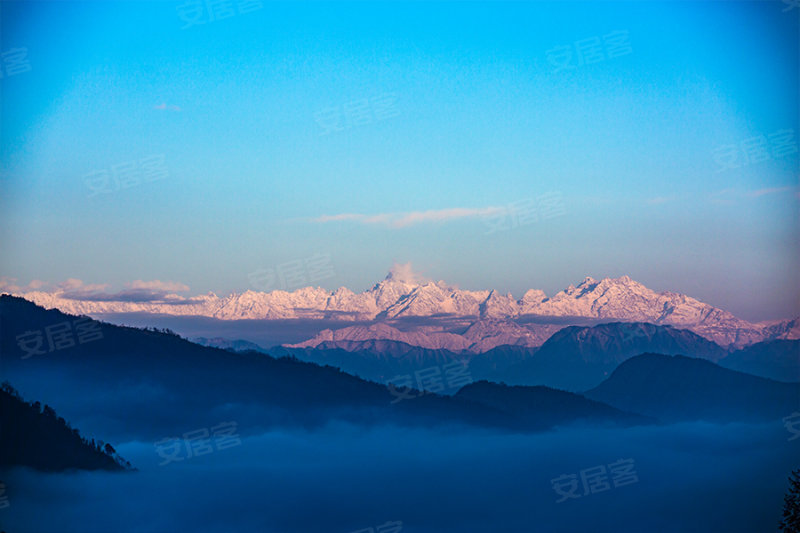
{"points": [[729, 196], [128, 295], [155, 291], [725, 196], [405, 272], [771, 190], [77, 285], [163, 106], [402, 220], [171, 286], [10, 285]]}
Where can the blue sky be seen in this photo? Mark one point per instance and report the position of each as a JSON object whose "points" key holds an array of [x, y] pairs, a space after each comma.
{"points": [[465, 116]]}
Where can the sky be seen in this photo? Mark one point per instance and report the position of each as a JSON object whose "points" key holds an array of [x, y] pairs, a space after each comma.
{"points": [[492, 145]]}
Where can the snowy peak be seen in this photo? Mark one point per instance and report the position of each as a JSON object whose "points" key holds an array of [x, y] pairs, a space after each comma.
{"points": [[432, 299], [404, 293], [398, 283], [499, 306]]}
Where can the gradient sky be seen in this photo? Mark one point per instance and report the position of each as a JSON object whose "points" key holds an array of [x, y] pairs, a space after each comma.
{"points": [[483, 120]]}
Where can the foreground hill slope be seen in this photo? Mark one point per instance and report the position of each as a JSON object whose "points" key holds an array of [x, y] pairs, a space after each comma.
{"points": [[36, 437]]}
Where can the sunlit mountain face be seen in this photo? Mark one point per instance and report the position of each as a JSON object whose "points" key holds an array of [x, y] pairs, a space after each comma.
{"points": [[438, 267], [438, 315]]}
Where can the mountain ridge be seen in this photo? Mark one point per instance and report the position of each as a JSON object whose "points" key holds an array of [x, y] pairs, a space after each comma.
{"points": [[204, 385], [677, 388], [401, 296]]}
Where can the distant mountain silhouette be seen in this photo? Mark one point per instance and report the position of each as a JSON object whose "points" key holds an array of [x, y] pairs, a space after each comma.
{"points": [[378, 361], [34, 436], [545, 407], [152, 384], [494, 364], [777, 359], [678, 388], [158, 382], [381, 360], [238, 345], [575, 358], [578, 358]]}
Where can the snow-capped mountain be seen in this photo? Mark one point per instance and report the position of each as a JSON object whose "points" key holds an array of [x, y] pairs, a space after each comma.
{"points": [[403, 295], [479, 337]]}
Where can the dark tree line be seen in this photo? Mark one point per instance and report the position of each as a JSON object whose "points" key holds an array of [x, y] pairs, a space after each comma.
{"points": [[791, 505], [34, 435]]}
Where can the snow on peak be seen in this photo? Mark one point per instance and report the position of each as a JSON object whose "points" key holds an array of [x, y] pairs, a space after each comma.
{"points": [[405, 293]]}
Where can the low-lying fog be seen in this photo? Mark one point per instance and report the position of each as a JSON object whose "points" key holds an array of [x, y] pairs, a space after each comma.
{"points": [[691, 478]]}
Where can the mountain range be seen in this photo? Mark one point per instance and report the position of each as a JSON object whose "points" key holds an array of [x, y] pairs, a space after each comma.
{"points": [[578, 358], [575, 358], [479, 320], [131, 383]]}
